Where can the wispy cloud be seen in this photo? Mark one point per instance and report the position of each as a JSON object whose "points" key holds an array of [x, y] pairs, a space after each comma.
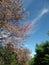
{"points": [[35, 20], [44, 11]]}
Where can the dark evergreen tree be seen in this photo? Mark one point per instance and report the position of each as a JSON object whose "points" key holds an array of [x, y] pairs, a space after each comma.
{"points": [[42, 54]]}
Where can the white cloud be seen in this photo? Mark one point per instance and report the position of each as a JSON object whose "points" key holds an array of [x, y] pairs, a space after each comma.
{"points": [[35, 20], [44, 11], [33, 53]]}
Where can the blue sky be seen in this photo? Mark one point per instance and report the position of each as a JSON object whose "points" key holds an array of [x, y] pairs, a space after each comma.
{"points": [[39, 17]]}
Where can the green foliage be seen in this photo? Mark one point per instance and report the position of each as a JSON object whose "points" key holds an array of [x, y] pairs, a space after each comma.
{"points": [[7, 56], [1, 55], [31, 62], [42, 54], [11, 55]]}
